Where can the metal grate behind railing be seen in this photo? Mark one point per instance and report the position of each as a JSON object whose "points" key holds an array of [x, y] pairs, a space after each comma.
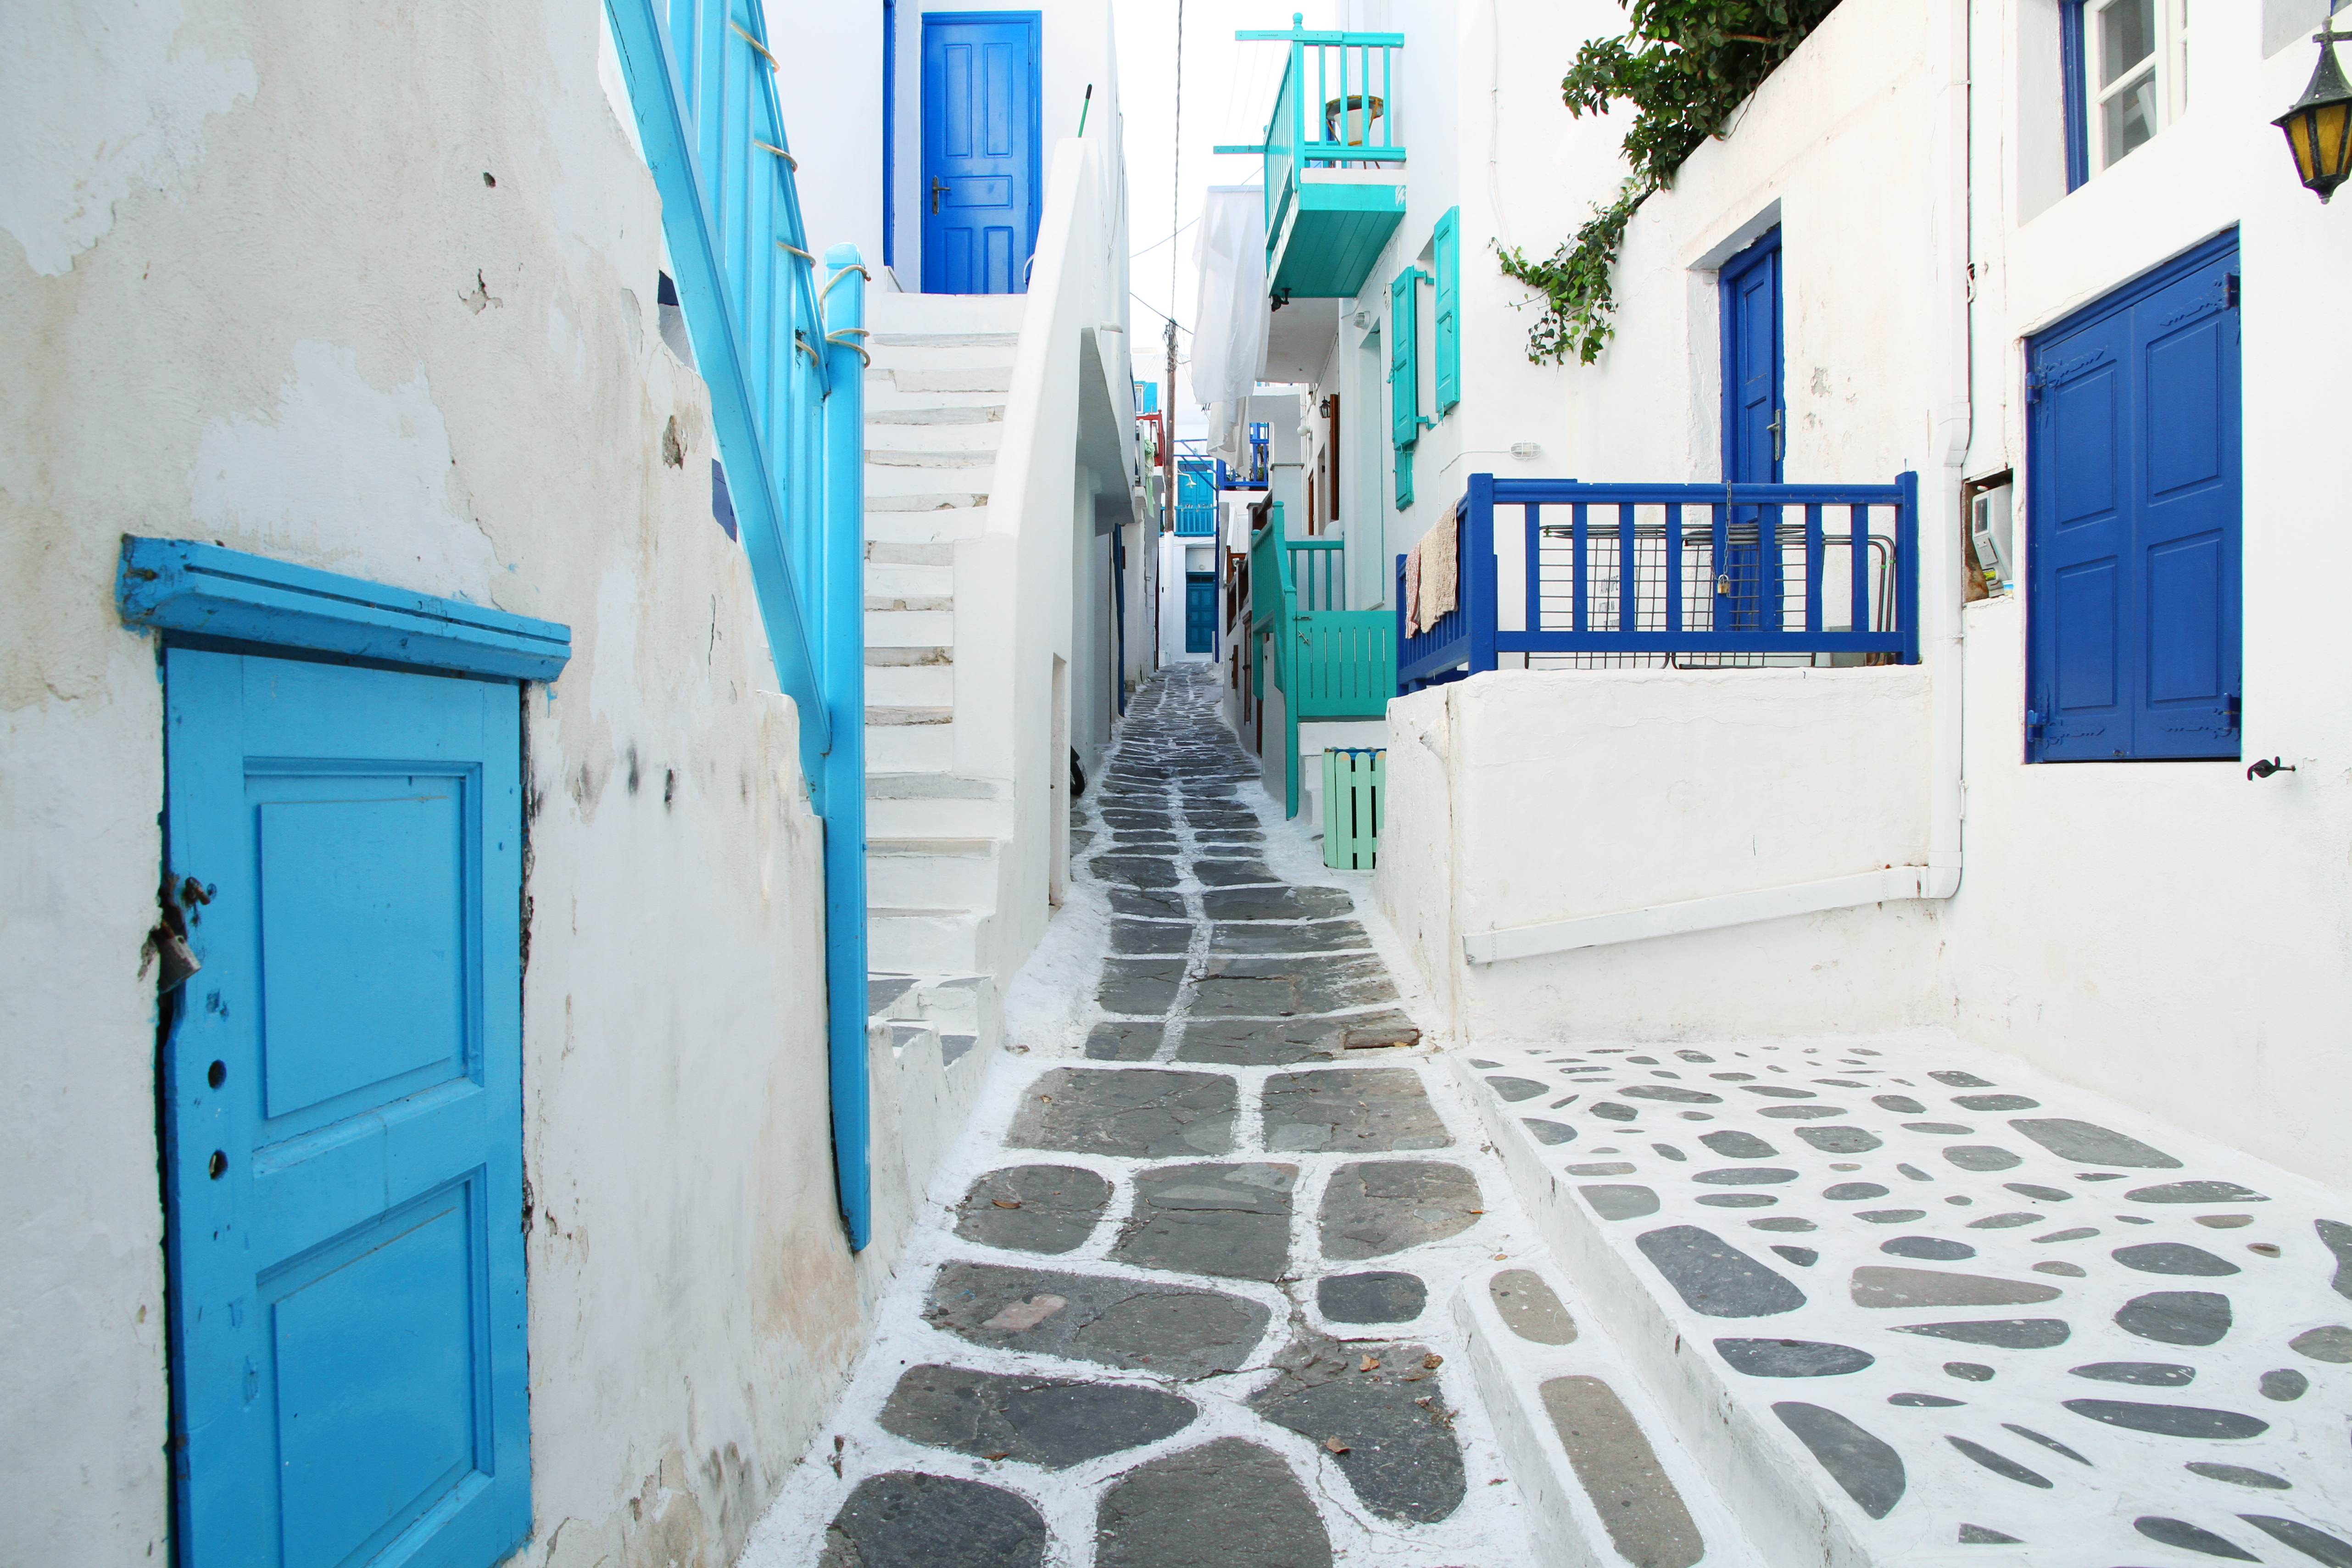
{"points": [[1759, 587]]}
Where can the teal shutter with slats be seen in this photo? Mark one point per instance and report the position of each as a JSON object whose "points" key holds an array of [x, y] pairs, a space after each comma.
{"points": [[1404, 358], [1446, 245], [1404, 376]]}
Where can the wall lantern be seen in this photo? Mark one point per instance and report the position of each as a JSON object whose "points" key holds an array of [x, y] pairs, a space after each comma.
{"points": [[2319, 127]]}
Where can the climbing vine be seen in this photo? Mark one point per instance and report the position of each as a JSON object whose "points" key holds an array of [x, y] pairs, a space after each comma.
{"points": [[1685, 65]]}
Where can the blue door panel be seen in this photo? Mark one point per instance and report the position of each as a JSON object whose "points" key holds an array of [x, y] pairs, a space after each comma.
{"points": [[982, 157], [343, 1116], [1748, 597], [2134, 521], [1199, 611]]}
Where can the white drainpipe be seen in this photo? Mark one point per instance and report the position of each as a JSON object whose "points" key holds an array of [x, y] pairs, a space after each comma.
{"points": [[1939, 618]]}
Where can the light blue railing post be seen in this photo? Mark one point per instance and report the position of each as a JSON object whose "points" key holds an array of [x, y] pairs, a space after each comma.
{"points": [[785, 368], [844, 596]]}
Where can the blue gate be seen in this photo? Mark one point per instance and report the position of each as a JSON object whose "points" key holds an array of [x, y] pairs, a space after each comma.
{"points": [[981, 156]]}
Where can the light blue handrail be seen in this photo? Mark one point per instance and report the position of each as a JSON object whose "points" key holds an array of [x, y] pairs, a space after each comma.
{"points": [[783, 363]]}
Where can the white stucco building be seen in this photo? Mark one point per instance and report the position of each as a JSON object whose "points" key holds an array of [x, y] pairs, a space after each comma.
{"points": [[1955, 208], [382, 599]]}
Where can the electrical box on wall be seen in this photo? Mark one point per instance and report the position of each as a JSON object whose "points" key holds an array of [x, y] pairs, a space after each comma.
{"points": [[1988, 528]]}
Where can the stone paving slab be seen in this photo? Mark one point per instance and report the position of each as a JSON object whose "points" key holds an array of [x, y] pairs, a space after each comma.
{"points": [[1172, 1352], [1949, 1303]]}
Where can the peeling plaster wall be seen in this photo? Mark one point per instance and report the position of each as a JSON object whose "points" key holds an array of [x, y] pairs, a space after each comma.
{"points": [[256, 286]]}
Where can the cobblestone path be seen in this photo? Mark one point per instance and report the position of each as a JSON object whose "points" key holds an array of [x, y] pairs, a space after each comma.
{"points": [[1187, 1301]]}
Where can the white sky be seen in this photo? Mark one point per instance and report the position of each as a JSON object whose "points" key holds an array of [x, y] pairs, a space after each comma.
{"points": [[1228, 93]]}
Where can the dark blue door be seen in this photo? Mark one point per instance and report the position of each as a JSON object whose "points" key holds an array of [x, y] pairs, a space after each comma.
{"points": [[2133, 521], [342, 1126], [1199, 611], [980, 153], [1748, 585]]}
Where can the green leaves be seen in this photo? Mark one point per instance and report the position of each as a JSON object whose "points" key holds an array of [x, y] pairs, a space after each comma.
{"points": [[1685, 66]]}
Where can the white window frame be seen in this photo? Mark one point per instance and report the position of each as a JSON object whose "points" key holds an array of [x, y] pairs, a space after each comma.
{"points": [[2164, 70]]}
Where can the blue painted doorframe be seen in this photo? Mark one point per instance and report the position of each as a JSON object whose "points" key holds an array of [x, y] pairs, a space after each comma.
{"points": [[341, 1077], [983, 150], [1748, 577]]}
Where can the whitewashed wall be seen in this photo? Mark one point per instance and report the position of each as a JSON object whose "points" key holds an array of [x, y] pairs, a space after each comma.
{"points": [[1034, 587], [254, 288], [1522, 798], [2169, 932]]}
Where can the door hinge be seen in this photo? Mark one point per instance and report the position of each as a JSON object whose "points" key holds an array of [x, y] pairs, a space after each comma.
{"points": [[2230, 712], [2230, 292]]}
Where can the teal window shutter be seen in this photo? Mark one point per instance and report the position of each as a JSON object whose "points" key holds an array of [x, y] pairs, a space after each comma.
{"points": [[1405, 359], [1447, 248], [1403, 478]]}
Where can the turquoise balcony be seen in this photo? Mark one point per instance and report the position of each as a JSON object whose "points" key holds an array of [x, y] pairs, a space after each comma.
{"points": [[1332, 199]]}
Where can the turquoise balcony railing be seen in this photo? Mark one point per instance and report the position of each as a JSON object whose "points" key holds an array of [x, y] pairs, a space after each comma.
{"points": [[1334, 184], [1327, 661]]}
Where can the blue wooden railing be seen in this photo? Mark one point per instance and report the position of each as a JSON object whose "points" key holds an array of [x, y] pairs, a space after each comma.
{"points": [[1695, 573], [780, 355], [1352, 78]]}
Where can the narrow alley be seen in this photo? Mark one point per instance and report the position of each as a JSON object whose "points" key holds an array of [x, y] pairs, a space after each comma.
{"points": [[1190, 1307]]}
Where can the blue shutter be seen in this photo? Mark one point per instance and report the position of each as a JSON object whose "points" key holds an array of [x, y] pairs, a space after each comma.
{"points": [[1447, 245], [2134, 522]]}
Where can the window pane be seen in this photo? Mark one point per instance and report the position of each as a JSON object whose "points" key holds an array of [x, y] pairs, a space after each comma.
{"points": [[2129, 117], [2126, 37]]}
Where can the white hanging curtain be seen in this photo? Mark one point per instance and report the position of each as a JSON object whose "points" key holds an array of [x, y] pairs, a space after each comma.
{"points": [[1230, 322]]}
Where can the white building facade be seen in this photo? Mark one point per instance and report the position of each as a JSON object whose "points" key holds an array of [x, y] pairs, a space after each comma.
{"points": [[1994, 839], [383, 602]]}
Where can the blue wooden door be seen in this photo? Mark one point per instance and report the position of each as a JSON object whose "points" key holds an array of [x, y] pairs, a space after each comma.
{"points": [[980, 153], [1199, 611], [2134, 521], [1747, 586], [342, 1116]]}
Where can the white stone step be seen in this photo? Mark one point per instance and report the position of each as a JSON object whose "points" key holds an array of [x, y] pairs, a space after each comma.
{"points": [[885, 397], [914, 415], [942, 351], [922, 939], [923, 482], [896, 579], [938, 819], [906, 658], [956, 517], [910, 685], [934, 804], [1594, 1458], [1918, 1304], [898, 313], [909, 748], [897, 443], [994, 378], [949, 873], [900, 552], [910, 628]]}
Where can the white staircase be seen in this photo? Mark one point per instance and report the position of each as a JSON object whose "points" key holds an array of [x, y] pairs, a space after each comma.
{"points": [[935, 402]]}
